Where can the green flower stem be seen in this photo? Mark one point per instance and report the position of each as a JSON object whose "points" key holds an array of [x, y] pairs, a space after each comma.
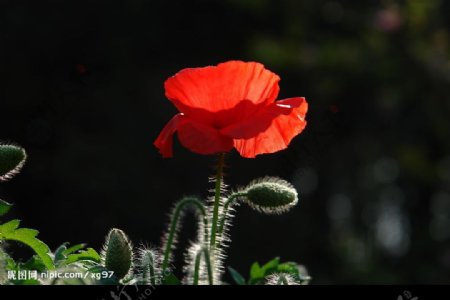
{"points": [[215, 218], [227, 204], [174, 224], [198, 257]]}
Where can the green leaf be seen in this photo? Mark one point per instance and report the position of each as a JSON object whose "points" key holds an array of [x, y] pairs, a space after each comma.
{"points": [[12, 159], [259, 273], [88, 254], [59, 254], [289, 267], [9, 227], [271, 265], [256, 271], [10, 263], [238, 278], [34, 263], [10, 231], [74, 249], [4, 207]]}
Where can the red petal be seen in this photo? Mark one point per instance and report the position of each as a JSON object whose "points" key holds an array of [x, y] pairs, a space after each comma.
{"points": [[164, 142], [221, 87], [271, 129], [202, 139]]}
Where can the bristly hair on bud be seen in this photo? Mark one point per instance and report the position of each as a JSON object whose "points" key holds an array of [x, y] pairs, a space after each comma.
{"points": [[270, 195], [12, 159], [117, 253], [148, 262], [281, 279]]}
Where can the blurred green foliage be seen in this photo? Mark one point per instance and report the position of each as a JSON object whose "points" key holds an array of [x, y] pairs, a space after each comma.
{"points": [[378, 72]]}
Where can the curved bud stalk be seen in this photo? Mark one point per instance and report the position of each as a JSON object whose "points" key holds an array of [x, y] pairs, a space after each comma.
{"points": [[117, 253], [203, 252], [12, 159], [148, 267], [170, 238], [216, 254], [281, 279], [189, 263], [199, 267], [227, 211], [191, 251], [270, 195]]}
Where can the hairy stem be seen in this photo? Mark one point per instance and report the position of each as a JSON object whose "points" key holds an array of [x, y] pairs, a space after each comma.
{"points": [[174, 225], [227, 204], [216, 204], [198, 257], [152, 274], [151, 266]]}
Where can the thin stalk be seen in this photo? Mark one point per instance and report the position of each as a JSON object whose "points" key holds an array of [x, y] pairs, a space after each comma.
{"points": [[216, 204], [152, 274], [198, 257], [174, 225], [227, 204]]}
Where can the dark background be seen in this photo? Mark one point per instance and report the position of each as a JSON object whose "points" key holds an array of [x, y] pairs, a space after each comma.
{"points": [[81, 88]]}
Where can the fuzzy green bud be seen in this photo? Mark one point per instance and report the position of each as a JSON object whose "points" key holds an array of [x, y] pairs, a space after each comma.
{"points": [[148, 262], [281, 279], [12, 159], [117, 253], [270, 195]]}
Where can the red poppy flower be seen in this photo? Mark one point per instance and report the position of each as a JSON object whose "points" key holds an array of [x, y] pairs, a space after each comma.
{"points": [[230, 105]]}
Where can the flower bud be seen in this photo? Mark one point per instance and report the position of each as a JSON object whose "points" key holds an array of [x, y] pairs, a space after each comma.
{"points": [[148, 266], [117, 253], [281, 279], [270, 195], [12, 159]]}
